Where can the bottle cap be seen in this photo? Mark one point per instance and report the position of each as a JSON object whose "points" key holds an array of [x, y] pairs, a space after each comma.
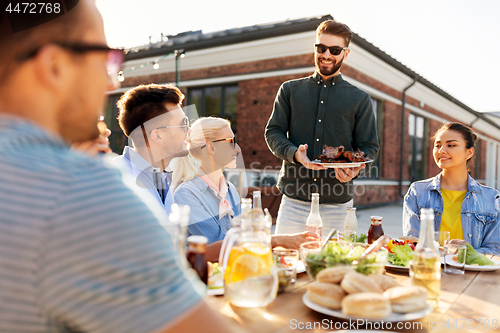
{"points": [[197, 239], [351, 208], [376, 218]]}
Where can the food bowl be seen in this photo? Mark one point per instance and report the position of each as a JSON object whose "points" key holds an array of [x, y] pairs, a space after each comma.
{"points": [[340, 253]]}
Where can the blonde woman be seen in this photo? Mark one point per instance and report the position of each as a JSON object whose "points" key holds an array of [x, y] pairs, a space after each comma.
{"points": [[200, 184]]}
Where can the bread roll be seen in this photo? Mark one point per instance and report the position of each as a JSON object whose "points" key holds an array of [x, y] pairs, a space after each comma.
{"points": [[326, 294], [366, 305], [354, 282], [333, 274], [407, 299], [384, 281]]}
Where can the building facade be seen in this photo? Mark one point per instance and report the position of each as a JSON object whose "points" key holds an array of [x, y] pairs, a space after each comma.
{"points": [[236, 74]]}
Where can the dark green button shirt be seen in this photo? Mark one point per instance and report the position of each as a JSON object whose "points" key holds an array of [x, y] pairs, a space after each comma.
{"points": [[311, 111]]}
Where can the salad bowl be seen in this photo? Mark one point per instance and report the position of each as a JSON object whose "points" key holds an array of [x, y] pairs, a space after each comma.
{"points": [[340, 253]]}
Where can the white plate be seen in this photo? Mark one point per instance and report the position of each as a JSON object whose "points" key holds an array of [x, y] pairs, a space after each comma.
{"points": [[215, 292], [341, 165], [397, 268], [391, 318], [476, 268], [301, 267]]}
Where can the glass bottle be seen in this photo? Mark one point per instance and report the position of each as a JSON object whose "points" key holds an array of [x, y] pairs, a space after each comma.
{"points": [[228, 242], [257, 200], [376, 229], [179, 219], [425, 270], [314, 222], [196, 256], [350, 223]]}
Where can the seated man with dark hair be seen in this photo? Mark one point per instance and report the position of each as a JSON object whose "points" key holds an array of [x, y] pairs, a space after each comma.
{"points": [[152, 118]]}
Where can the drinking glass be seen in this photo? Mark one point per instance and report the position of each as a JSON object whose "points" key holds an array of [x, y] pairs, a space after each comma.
{"points": [[442, 238], [286, 263], [454, 260], [349, 236]]}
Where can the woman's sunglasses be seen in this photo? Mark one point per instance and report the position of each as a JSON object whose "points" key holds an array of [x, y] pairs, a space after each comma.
{"points": [[230, 140], [334, 50]]}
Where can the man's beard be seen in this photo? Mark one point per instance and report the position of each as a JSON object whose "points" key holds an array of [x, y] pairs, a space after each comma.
{"points": [[328, 72]]}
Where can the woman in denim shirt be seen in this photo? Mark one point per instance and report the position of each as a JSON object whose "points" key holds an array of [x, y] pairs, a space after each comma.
{"points": [[213, 200], [472, 210]]}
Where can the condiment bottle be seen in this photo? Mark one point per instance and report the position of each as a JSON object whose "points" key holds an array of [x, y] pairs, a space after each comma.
{"points": [[350, 222], [257, 202], [314, 222], [425, 270], [375, 230], [196, 256]]}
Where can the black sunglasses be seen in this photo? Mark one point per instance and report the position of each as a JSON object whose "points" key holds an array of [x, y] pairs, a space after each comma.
{"points": [[334, 50], [230, 140], [74, 47]]}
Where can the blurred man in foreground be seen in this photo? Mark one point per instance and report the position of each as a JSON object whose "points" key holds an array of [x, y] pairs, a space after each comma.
{"points": [[79, 251]]}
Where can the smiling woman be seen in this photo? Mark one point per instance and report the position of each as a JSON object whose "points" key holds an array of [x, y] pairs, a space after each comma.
{"points": [[468, 210], [200, 182]]}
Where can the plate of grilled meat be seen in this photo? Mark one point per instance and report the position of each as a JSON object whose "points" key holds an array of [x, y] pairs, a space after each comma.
{"points": [[338, 157]]}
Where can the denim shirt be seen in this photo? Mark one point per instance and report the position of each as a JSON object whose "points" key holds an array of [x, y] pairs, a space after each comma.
{"points": [[480, 212], [204, 204]]}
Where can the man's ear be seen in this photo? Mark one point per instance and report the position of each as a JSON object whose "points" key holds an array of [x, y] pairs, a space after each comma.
{"points": [[52, 67], [346, 53], [155, 136]]}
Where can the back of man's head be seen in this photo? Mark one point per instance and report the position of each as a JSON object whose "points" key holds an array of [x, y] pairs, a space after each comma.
{"points": [[335, 28], [15, 45], [145, 102]]}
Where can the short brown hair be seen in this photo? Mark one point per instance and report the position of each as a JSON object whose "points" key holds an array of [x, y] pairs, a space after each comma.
{"points": [[335, 28], [65, 28], [145, 102]]}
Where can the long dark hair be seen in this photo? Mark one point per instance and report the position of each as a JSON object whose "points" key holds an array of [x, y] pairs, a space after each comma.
{"points": [[467, 133]]}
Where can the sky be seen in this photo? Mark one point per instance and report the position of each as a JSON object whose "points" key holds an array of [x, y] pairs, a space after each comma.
{"points": [[454, 44]]}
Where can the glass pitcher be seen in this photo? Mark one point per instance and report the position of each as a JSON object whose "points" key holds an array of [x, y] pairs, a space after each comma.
{"points": [[250, 276]]}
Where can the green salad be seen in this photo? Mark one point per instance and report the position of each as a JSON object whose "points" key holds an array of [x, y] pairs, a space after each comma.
{"points": [[473, 257], [334, 254], [401, 256], [360, 239]]}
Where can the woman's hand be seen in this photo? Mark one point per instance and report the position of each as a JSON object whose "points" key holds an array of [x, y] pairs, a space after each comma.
{"points": [[458, 242], [293, 241], [93, 147]]}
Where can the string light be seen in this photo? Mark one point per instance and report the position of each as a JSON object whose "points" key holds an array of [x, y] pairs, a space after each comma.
{"points": [[155, 64]]}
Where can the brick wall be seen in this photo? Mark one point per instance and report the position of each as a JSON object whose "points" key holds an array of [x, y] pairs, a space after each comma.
{"points": [[255, 103]]}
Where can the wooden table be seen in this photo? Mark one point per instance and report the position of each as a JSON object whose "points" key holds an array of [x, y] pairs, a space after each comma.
{"points": [[469, 301]]}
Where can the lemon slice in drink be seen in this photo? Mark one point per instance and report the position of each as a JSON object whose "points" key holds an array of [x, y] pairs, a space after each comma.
{"points": [[243, 267]]}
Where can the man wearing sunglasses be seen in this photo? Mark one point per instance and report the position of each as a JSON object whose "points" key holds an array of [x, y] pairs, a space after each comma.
{"points": [[79, 251], [157, 128], [321, 109]]}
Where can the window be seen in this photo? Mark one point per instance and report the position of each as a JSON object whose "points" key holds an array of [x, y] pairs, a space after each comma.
{"points": [[221, 101], [417, 156], [477, 160], [372, 170]]}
